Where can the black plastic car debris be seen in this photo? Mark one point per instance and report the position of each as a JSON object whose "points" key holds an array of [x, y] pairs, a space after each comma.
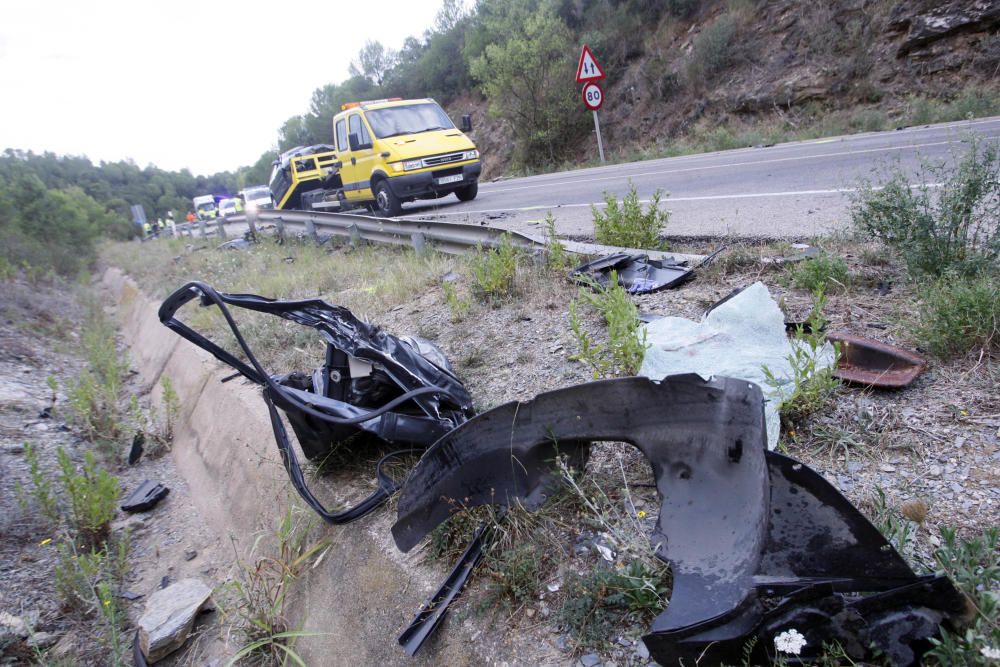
{"points": [[145, 497], [399, 390], [637, 273], [758, 543]]}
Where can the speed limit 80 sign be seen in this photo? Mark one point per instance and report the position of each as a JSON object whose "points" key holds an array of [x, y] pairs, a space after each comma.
{"points": [[593, 96]]}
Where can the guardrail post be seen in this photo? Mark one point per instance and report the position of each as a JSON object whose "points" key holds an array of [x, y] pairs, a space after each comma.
{"points": [[252, 220], [355, 235], [202, 229], [311, 229], [279, 224], [419, 242], [221, 225]]}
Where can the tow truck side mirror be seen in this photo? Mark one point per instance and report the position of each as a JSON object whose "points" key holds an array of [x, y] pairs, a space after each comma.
{"points": [[355, 142], [466, 122]]}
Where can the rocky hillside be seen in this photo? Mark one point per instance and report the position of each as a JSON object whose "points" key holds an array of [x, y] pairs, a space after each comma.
{"points": [[740, 72]]}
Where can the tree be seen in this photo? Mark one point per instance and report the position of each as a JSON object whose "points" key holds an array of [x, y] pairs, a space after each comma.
{"points": [[528, 77], [373, 61]]}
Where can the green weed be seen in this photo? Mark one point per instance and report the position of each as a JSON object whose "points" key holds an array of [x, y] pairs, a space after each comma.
{"points": [[514, 576], [93, 498], [95, 394], [956, 314], [599, 602], [627, 225], [171, 408], [812, 384], [955, 227], [458, 306], [974, 566], [816, 273], [556, 257], [495, 271], [626, 337], [260, 588]]}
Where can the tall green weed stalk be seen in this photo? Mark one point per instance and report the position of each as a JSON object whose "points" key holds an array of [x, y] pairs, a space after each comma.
{"points": [[626, 344]]}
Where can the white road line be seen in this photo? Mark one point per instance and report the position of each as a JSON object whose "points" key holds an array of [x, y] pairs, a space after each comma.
{"points": [[667, 200], [718, 166]]}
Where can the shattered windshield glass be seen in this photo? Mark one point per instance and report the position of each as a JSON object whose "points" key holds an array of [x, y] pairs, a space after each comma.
{"points": [[408, 119]]}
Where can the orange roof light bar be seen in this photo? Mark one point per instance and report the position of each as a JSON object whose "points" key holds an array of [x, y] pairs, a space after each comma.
{"points": [[351, 105]]}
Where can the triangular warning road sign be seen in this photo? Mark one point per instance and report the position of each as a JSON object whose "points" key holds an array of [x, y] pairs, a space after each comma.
{"points": [[588, 69]]}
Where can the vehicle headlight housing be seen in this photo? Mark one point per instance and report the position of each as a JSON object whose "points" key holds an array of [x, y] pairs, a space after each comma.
{"points": [[470, 155], [409, 165]]}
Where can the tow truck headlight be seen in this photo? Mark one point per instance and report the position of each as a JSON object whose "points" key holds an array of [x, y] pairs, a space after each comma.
{"points": [[412, 164], [470, 155]]}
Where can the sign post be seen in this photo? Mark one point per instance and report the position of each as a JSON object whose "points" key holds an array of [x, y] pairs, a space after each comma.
{"points": [[588, 72]]}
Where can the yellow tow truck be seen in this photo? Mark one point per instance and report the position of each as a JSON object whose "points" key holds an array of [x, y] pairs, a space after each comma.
{"points": [[385, 153]]}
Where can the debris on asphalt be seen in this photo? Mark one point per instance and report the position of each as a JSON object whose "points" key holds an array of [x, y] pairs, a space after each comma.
{"points": [[757, 541], [737, 337], [870, 363], [145, 497], [169, 618], [637, 273]]}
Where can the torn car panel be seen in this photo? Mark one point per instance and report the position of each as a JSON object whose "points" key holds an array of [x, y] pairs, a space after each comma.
{"points": [[755, 539], [637, 273], [870, 363], [403, 391]]}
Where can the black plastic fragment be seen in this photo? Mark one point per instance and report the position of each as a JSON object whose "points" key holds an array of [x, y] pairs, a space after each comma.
{"points": [[637, 273], [135, 451], [758, 543], [432, 612], [401, 390], [145, 497]]}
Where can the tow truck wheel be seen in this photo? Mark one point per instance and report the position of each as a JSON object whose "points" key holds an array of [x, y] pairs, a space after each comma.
{"points": [[468, 193], [386, 203]]}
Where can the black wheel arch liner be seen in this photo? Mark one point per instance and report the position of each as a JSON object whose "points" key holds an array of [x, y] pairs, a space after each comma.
{"points": [[737, 523]]}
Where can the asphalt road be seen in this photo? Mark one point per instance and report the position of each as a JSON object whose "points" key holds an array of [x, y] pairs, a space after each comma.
{"points": [[792, 190]]}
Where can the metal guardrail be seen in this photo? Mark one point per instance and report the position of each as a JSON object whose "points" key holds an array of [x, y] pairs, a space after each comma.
{"points": [[450, 237]]}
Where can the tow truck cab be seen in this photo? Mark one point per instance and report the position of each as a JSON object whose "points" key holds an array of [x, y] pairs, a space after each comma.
{"points": [[385, 152]]}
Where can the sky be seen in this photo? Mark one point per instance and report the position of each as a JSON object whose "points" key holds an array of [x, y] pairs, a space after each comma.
{"points": [[204, 84]]}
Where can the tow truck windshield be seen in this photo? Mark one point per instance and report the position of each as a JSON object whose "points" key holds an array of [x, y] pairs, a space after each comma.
{"points": [[408, 119]]}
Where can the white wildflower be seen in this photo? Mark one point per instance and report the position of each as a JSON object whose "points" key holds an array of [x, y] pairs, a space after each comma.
{"points": [[790, 641], [991, 652]]}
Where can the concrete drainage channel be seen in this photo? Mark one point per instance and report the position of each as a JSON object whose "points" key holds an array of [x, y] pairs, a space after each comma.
{"points": [[364, 591]]}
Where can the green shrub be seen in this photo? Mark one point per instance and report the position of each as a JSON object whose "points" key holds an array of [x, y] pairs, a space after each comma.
{"points": [[94, 395], [957, 314], [812, 385], [714, 48], [974, 566], [626, 338], [817, 272], [555, 253], [93, 498], [41, 489], [627, 225], [955, 227], [171, 408], [597, 603], [514, 577], [495, 271]]}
